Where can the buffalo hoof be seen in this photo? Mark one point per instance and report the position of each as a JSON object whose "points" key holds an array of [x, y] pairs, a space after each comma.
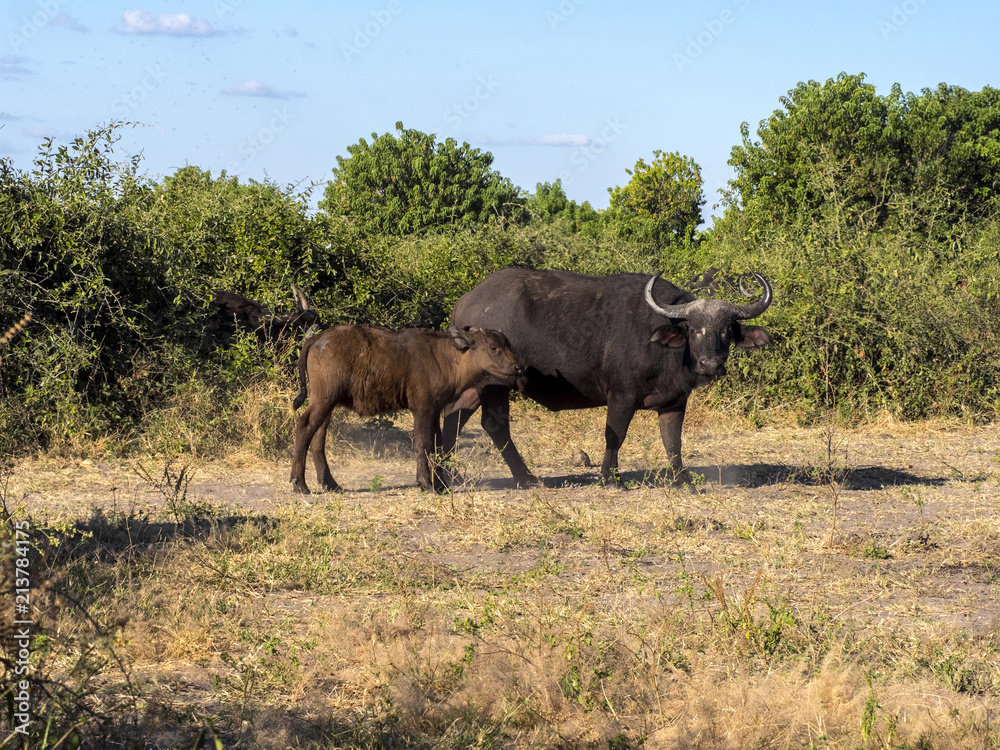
{"points": [[429, 487], [612, 479], [299, 487], [526, 481], [334, 487]]}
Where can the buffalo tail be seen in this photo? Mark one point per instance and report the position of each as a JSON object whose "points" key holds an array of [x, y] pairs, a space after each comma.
{"points": [[301, 398]]}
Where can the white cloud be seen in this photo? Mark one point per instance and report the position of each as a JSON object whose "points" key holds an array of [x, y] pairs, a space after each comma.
{"points": [[256, 88], [45, 131], [561, 139], [172, 24], [548, 139], [66, 21]]}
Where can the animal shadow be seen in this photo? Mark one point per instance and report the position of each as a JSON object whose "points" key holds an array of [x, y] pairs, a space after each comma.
{"points": [[752, 476], [747, 476]]}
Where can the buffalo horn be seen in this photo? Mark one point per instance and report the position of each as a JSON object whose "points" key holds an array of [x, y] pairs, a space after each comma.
{"points": [[745, 312], [301, 301], [670, 311]]}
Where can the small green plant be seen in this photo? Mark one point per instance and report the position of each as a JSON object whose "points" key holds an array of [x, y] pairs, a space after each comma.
{"points": [[869, 713], [916, 499], [763, 637], [748, 530], [173, 485], [376, 484], [874, 551]]}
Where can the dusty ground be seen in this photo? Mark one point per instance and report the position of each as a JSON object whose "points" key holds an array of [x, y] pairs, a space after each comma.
{"points": [[882, 543], [923, 501]]}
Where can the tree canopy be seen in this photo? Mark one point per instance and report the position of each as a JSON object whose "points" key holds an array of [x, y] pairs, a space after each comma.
{"points": [[404, 183], [839, 146], [549, 204], [665, 195]]}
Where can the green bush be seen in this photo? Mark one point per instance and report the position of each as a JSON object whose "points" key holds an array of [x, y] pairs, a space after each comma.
{"points": [[214, 233], [117, 273], [877, 218], [879, 322]]}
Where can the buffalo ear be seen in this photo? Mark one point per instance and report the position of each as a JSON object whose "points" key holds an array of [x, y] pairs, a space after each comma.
{"points": [[459, 338], [754, 337], [670, 335]]}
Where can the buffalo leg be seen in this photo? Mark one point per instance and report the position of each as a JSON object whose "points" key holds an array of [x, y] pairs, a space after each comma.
{"points": [[671, 420], [496, 422], [424, 428], [456, 415], [306, 426], [445, 475], [317, 448], [620, 413]]}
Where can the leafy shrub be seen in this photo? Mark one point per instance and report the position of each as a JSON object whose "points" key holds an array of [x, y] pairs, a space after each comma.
{"points": [[117, 273], [879, 322], [255, 239]]}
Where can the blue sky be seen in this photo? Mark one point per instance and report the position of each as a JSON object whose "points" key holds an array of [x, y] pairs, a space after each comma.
{"points": [[570, 89]]}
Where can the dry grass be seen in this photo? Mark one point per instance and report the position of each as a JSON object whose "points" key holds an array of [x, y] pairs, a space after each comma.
{"points": [[734, 615]]}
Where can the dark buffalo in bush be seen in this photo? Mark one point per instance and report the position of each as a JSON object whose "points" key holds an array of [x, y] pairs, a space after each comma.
{"points": [[234, 312], [372, 371], [629, 342]]}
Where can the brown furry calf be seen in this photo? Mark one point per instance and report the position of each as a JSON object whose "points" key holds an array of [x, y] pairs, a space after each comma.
{"points": [[372, 371]]}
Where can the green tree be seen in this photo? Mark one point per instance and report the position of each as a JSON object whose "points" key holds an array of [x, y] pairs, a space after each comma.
{"points": [[408, 182], [840, 150], [549, 205], [952, 139], [74, 252], [834, 142], [664, 197], [875, 217]]}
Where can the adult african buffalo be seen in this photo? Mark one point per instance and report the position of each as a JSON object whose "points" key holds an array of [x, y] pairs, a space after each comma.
{"points": [[232, 312], [628, 342], [372, 371]]}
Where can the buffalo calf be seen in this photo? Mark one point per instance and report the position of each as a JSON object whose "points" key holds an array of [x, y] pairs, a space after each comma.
{"points": [[372, 371]]}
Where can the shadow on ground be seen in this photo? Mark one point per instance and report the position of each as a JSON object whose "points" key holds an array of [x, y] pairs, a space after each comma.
{"points": [[749, 476], [764, 475], [108, 536]]}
